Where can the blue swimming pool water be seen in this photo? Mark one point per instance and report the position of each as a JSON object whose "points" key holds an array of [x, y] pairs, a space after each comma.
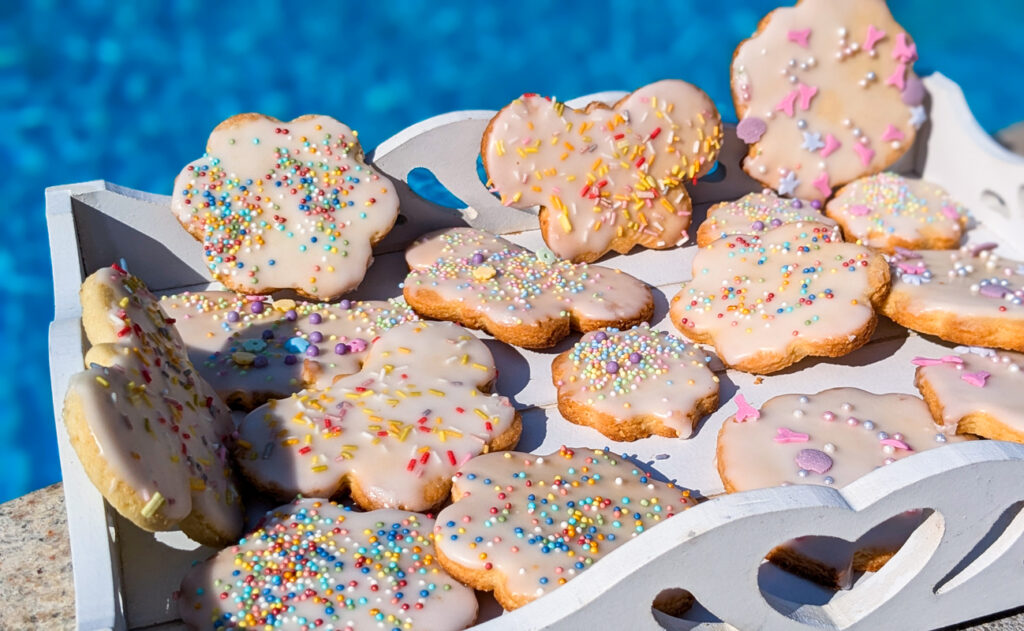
{"points": [[129, 91]]}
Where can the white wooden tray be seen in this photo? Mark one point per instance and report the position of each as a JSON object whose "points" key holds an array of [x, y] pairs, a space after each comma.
{"points": [[964, 562]]}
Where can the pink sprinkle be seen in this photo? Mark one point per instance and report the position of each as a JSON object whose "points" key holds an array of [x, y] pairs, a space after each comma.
{"points": [[905, 253], [858, 210], [912, 268], [831, 144], [744, 411], [821, 183], [785, 435], [927, 361], [786, 104], [983, 247], [865, 153], [950, 212], [898, 77], [813, 460], [892, 133], [975, 378], [874, 35], [799, 37], [898, 444], [806, 94], [905, 51]]}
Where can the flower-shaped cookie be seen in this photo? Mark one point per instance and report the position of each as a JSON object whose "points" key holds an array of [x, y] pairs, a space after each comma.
{"points": [[252, 349], [313, 563], [522, 298], [634, 384], [887, 211], [979, 392], [969, 296], [768, 301], [606, 178], [146, 431], [392, 434], [522, 525], [755, 213], [285, 205], [825, 93]]}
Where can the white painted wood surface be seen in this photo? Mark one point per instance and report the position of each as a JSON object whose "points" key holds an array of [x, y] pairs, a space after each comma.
{"points": [[125, 578]]}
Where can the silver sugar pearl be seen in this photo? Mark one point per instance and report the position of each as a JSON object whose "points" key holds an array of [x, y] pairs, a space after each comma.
{"points": [[803, 473], [882, 435], [940, 438], [829, 480], [869, 425]]}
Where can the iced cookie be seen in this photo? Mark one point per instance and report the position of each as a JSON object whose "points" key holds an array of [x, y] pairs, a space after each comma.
{"points": [[887, 211], [605, 178], [969, 296], [768, 301], [251, 348], [392, 434], [522, 298], [313, 564], [979, 392], [522, 525], [825, 93], [285, 205], [147, 433], [634, 384], [829, 438], [754, 213]]}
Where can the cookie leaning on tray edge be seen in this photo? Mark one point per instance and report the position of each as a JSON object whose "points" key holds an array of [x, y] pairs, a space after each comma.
{"points": [[364, 401]]}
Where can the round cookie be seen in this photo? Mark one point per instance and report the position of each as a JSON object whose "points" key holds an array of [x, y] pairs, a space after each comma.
{"points": [[979, 392], [521, 298], [285, 205], [755, 213], [605, 178], [391, 434], [768, 301], [148, 435], [634, 384], [313, 563], [886, 211], [251, 348], [521, 525], [825, 93], [829, 438], [969, 296]]}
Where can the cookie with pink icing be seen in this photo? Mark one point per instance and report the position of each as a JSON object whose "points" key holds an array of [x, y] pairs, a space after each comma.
{"points": [[635, 383], [148, 432], [313, 563], [605, 178], [978, 391], [252, 348], [969, 296], [825, 93], [754, 213], [522, 525], [767, 301], [887, 211], [285, 205], [829, 438], [520, 297], [392, 434]]}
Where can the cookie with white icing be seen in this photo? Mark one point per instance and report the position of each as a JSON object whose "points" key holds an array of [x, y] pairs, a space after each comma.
{"points": [[148, 432], [252, 348], [825, 93], [754, 213], [767, 301], [392, 434], [520, 297], [522, 525], [313, 563], [980, 391], [887, 211], [605, 178], [635, 383], [285, 205], [829, 438], [968, 296]]}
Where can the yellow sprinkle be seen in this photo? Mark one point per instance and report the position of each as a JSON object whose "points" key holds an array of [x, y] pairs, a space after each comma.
{"points": [[283, 305], [320, 468], [481, 414], [566, 224], [479, 366], [436, 393], [484, 272], [153, 505], [197, 484], [103, 382]]}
